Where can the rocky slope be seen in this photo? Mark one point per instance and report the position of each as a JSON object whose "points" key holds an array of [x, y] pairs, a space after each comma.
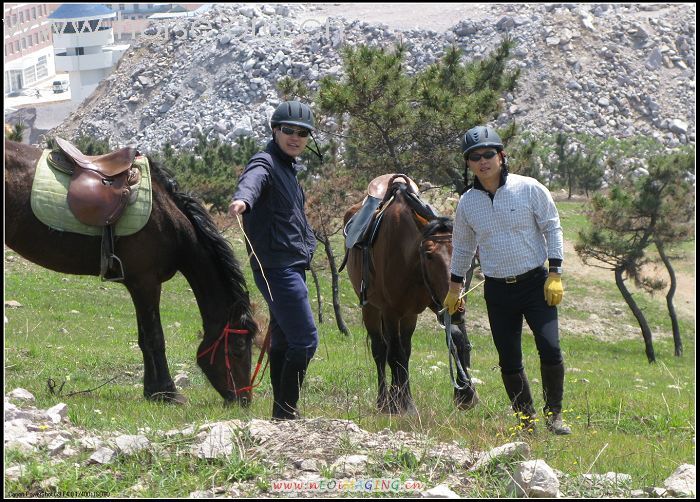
{"points": [[602, 69], [301, 453]]}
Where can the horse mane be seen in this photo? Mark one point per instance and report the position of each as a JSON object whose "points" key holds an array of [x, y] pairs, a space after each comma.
{"points": [[218, 247], [441, 224]]}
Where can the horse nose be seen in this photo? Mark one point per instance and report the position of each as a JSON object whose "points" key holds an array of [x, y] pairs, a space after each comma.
{"points": [[245, 399]]}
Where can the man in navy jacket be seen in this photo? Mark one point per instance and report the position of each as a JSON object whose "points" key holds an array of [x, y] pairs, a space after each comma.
{"points": [[272, 204]]}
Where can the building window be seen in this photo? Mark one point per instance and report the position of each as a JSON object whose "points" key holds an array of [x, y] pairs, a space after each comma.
{"points": [[121, 6], [24, 43], [42, 69], [33, 12], [137, 7], [21, 16], [16, 45], [36, 39], [29, 75]]}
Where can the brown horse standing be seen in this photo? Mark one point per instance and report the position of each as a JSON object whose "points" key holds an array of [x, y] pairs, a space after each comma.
{"points": [[401, 285], [179, 236]]}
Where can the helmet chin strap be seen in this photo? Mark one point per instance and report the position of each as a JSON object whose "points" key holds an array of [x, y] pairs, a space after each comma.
{"points": [[317, 151]]}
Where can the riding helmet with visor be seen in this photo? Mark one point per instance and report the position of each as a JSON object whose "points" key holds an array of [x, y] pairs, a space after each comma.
{"points": [[481, 137], [293, 113]]}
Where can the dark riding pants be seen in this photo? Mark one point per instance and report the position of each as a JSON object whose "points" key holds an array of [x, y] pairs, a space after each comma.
{"points": [[291, 320], [507, 305]]}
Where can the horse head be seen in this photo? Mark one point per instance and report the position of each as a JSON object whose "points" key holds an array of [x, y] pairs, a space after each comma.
{"points": [[219, 285], [436, 255], [225, 354]]}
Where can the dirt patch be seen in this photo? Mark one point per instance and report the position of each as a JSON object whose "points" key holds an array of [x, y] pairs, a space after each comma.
{"points": [[405, 16]]}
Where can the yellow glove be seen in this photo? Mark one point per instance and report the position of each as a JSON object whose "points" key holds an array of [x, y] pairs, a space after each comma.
{"points": [[553, 290], [452, 301]]}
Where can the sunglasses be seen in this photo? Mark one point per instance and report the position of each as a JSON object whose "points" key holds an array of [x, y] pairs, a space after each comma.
{"points": [[290, 131], [476, 157]]}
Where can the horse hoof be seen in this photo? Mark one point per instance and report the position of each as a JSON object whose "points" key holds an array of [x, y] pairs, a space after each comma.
{"points": [[466, 404], [409, 410], [168, 397], [242, 402]]}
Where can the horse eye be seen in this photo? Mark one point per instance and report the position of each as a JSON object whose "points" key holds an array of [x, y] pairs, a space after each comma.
{"points": [[240, 343]]}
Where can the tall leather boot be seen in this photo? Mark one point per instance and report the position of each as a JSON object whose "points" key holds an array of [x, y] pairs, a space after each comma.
{"points": [[277, 358], [291, 379], [553, 390], [518, 389]]}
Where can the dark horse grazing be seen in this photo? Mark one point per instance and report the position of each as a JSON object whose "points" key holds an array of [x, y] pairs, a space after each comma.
{"points": [[179, 236], [409, 271]]}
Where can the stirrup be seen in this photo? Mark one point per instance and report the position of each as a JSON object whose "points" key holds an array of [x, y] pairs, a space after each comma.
{"points": [[110, 262]]}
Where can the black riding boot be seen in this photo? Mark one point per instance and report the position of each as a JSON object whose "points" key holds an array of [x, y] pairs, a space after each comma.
{"points": [[276, 365], [518, 389], [553, 390], [291, 379]]}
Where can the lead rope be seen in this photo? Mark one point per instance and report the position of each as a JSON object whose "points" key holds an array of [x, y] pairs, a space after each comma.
{"points": [[266, 343], [256, 257], [452, 350]]}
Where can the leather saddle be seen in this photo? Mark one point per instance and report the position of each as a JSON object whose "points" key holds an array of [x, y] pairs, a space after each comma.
{"points": [[100, 189]]}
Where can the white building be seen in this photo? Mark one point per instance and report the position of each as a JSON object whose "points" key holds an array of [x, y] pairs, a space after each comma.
{"points": [[84, 45], [27, 40]]}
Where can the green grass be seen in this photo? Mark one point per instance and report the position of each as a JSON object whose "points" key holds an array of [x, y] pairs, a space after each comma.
{"points": [[627, 416]]}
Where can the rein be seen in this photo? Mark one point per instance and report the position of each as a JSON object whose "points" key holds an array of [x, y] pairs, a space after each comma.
{"points": [[227, 357], [455, 364]]}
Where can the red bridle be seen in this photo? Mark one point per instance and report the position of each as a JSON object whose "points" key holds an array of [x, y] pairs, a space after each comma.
{"points": [[229, 379]]}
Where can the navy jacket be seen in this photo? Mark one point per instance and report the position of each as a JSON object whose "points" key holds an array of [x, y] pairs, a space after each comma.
{"points": [[275, 221]]}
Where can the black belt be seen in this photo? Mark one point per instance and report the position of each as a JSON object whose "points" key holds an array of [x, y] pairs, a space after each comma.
{"points": [[517, 278]]}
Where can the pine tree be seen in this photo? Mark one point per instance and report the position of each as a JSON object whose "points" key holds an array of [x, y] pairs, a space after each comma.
{"points": [[658, 209]]}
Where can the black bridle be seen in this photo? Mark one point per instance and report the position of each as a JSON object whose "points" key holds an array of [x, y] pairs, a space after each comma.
{"points": [[423, 257]]}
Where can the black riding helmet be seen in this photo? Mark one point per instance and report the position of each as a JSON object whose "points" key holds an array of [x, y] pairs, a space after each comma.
{"points": [[481, 137], [294, 113]]}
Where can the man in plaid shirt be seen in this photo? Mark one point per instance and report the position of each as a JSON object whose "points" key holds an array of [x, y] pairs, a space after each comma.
{"points": [[513, 222]]}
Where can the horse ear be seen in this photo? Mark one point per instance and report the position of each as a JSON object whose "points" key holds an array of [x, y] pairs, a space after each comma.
{"points": [[420, 220]]}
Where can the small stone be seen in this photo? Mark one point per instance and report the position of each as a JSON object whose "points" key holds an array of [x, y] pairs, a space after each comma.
{"points": [[102, 456], [440, 492], [15, 472], [130, 444], [22, 394], [682, 482]]}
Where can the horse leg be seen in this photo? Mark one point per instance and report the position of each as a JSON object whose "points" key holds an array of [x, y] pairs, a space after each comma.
{"points": [[157, 383], [399, 333], [372, 319], [466, 397]]}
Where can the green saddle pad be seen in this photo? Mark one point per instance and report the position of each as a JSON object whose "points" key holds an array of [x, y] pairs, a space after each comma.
{"points": [[50, 204]]}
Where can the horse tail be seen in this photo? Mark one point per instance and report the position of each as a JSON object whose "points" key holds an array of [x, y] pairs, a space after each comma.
{"points": [[208, 234]]}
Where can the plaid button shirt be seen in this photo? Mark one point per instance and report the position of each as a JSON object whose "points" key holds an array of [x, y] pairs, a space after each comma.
{"points": [[515, 232]]}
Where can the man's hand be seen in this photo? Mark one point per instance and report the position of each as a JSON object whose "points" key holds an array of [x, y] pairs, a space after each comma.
{"points": [[553, 290], [452, 301], [237, 207]]}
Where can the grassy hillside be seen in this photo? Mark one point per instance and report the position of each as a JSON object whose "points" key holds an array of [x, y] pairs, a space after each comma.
{"points": [[626, 415]]}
